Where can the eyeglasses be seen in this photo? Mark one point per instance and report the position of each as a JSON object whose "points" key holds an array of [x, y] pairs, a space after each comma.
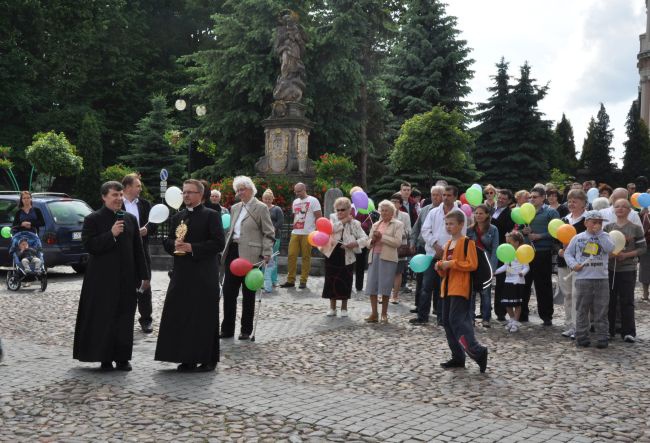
{"points": [[191, 192], [341, 209], [489, 193]]}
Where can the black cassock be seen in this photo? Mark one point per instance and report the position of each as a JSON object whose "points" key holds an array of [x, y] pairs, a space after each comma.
{"points": [[189, 327], [116, 267]]}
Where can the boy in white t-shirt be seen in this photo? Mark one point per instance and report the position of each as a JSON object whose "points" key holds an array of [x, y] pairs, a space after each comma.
{"points": [[306, 209]]}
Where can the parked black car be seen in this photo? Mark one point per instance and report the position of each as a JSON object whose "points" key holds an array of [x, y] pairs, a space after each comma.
{"points": [[61, 235]]}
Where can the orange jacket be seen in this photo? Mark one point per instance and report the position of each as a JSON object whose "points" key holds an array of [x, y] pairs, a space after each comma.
{"points": [[456, 280]]}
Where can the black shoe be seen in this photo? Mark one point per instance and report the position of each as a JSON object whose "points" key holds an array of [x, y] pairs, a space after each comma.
{"points": [[413, 311], [602, 344], [186, 367], [592, 329], [417, 321], [244, 337], [523, 319], [501, 318], [477, 316], [123, 366], [106, 366], [288, 285], [146, 326], [302, 286], [222, 335], [206, 367], [452, 364], [482, 361], [548, 323], [583, 344]]}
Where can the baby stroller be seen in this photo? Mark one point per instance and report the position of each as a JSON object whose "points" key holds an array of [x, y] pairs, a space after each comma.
{"points": [[18, 273]]}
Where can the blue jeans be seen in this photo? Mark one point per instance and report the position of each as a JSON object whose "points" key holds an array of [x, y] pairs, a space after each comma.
{"points": [[459, 329], [271, 270], [486, 303]]}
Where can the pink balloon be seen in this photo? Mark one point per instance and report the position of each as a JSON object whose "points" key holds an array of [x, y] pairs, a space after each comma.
{"points": [[467, 209], [320, 238]]}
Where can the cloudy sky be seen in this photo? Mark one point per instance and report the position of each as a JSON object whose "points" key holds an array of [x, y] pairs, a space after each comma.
{"points": [[585, 49]]}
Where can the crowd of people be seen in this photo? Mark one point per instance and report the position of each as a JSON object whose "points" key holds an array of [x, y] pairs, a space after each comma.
{"points": [[597, 286]]}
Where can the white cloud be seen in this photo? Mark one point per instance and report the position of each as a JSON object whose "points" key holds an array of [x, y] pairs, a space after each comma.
{"points": [[585, 49]]}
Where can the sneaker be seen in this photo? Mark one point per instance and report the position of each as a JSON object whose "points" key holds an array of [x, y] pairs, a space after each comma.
{"points": [[482, 361], [344, 312], [331, 313], [417, 321], [452, 364], [514, 327], [288, 285], [569, 332], [629, 339], [509, 324], [486, 323]]}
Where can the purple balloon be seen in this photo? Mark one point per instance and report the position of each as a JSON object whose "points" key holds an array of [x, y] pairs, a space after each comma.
{"points": [[360, 200]]}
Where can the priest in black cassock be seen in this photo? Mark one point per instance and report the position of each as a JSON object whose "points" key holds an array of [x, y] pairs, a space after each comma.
{"points": [[189, 327], [116, 269]]}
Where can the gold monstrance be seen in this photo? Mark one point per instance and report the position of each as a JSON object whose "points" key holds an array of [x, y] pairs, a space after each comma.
{"points": [[181, 232]]}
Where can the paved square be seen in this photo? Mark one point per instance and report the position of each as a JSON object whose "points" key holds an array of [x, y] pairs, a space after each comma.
{"points": [[309, 377]]}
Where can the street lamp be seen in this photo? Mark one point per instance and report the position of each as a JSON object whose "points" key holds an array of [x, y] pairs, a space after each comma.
{"points": [[180, 105]]}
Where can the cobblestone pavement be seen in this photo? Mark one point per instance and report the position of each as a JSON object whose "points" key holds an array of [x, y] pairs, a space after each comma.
{"points": [[309, 377]]}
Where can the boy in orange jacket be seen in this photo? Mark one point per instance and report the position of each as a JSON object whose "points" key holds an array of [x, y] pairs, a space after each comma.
{"points": [[455, 289]]}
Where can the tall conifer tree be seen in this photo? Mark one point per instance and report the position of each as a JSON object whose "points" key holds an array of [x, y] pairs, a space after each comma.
{"points": [[596, 156], [89, 147], [636, 160], [565, 147]]}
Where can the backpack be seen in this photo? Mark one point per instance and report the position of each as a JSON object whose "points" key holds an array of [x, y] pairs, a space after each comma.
{"points": [[481, 277]]}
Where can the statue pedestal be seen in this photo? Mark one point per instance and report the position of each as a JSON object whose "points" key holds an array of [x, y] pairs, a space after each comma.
{"points": [[286, 142]]}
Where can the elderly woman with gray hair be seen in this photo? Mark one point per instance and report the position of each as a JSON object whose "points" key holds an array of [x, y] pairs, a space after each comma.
{"points": [[385, 238], [346, 240]]}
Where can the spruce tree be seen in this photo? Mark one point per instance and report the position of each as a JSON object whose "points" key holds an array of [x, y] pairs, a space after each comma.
{"points": [[89, 147], [429, 64], [596, 153], [150, 149], [564, 157], [636, 160]]}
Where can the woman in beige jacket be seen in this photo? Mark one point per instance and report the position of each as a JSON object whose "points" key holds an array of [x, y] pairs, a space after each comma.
{"points": [[346, 240], [385, 238]]}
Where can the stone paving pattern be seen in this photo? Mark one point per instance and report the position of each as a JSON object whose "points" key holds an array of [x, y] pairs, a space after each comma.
{"points": [[309, 377]]}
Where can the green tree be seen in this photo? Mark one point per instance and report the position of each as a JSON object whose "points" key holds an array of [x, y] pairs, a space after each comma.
{"points": [[434, 143], [564, 155], [89, 147], [429, 64], [513, 146], [53, 155], [596, 152], [636, 159], [150, 148]]}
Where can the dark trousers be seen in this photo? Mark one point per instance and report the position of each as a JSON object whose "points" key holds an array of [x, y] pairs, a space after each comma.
{"points": [[231, 285], [499, 309], [541, 269], [144, 306], [360, 266], [459, 329], [423, 298], [621, 292], [418, 277]]}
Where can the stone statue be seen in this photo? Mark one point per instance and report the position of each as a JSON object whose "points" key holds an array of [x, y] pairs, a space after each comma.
{"points": [[290, 46]]}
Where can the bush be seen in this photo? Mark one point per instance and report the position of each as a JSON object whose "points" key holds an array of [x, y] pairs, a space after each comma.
{"points": [[117, 173]]}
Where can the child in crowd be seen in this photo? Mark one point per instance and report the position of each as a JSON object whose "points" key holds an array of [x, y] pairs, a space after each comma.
{"points": [[28, 256], [455, 270], [514, 287], [587, 255]]}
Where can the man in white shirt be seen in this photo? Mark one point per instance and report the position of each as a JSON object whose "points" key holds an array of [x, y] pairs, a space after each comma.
{"points": [[306, 210]]}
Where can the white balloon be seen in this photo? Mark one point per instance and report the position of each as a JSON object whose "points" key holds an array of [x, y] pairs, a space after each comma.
{"points": [[619, 241], [174, 197], [159, 213]]}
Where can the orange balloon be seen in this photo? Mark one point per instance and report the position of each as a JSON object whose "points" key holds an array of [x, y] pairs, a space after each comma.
{"points": [[310, 239], [635, 200], [565, 233]]}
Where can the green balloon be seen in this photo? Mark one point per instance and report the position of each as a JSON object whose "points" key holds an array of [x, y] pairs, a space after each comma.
{"points": [[506, 253], [371, 207], [420, 262], [5, 232], [254, 280], [225, 221], [474, 196], [516, 216]]}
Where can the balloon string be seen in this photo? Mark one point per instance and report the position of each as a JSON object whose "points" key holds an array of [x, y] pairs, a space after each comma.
{"points": [[260, 263]]}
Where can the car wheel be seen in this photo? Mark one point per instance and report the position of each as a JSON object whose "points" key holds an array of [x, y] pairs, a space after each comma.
{"points": [[13, 281], [79, 268]]}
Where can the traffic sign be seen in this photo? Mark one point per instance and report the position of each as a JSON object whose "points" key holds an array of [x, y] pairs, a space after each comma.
{"points": [[164, 175]]}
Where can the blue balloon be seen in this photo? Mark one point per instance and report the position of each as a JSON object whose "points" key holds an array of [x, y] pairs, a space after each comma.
{"points": [[420, 262], [644, 200], [592, 194]]}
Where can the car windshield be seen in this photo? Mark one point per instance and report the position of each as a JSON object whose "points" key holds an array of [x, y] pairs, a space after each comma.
{"points": [[68, 212]]}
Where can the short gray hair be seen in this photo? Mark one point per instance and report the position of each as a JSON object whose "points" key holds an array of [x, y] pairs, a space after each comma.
{"points": [[387, 204], [601, 203], [243, 180], [216, 192], [437, 188]]}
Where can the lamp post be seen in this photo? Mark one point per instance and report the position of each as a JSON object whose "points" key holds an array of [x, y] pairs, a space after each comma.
{"points": [[180, 105]]}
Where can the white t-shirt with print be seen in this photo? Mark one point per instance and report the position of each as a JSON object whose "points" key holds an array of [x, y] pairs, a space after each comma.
{"points": [[304, 221]]}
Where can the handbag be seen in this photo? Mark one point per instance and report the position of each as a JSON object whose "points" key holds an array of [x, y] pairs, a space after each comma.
{"points": [[404, 251]]}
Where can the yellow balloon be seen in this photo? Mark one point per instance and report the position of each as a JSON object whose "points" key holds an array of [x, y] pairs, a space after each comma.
{"points": [[528, 212], [525, 254], [619, 241]]}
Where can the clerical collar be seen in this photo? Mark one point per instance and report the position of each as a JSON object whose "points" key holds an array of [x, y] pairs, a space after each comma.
{"points": [[195, 208]]}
